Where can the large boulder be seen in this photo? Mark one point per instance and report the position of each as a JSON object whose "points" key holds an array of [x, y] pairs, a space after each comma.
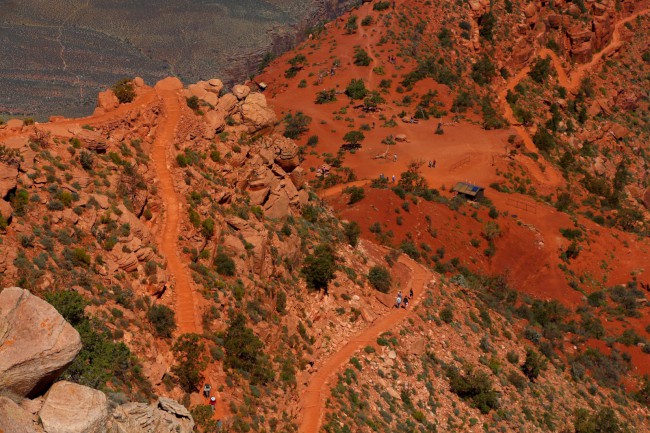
{"points": [[256, 114], [13, 418], [169, 83], [166, 416], [36, 343], [107, 100], [72, 408], [227, 103], [241, 91]]}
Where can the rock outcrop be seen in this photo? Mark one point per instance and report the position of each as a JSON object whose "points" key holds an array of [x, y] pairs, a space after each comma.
{"points": [[166, 416], [13, 418], [36, 343], [72, 408]]}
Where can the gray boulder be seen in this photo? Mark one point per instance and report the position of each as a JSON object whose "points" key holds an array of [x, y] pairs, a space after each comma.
{"points": [[36, 343]]}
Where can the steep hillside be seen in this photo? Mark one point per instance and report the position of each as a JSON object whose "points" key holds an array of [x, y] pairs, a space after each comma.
{"points": [[256, 239]]}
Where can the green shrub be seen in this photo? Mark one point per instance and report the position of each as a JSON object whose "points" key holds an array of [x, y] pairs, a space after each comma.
{"points": [[353, 137], [224, 264], [533, 365], [244, 351], [603, 421], [483, 70], [361, 57], [352, 231], [319, 267], [356, 89], [540, 70], [326, 96], [379, 278], [447, 315], [162, 319], [357, 194], [381, 5], [124, 91], [473, 386], [487, 22], [296, 124], [351, 25], [193, 102], [189, 355], [86, 159]]}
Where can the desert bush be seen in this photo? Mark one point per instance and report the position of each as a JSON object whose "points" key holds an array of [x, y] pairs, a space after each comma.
{"points": [[473, 386], [224, 264], [483, 70], [124, 90], [533, 365], [379, 278], [162, 319], [361, 57], [352, 231], [244, 351], [540, 70], [357, 193], [319, 267], [603, 421], [356, 89], [189, 355], [296, 124], [326, 96], [381, 5]]}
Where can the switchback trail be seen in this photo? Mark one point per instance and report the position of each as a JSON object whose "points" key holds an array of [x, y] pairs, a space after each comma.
{"points": [[550, 176], [315, 396], [184, 296]]}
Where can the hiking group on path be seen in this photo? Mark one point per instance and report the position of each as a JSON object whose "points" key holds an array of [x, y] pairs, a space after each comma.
{"points": [[403, 302]]}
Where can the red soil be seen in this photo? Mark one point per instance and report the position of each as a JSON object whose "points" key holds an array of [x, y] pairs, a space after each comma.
{"points": [[315, 395], [186, 314]]}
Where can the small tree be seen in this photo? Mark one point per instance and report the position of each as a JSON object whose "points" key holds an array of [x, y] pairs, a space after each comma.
{"points": [[361, 57], [352, 230], [86, 159], [379, 278], [319, 267], [353, 137], [326, 96], [356, 89], [356, 194], [244, 351], [351, 26], [224, 264], [188, 352], [533, 365], [296, 124], [163, 320]]}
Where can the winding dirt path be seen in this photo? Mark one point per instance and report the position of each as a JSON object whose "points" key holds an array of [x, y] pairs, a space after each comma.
{"points": [[550, 176], [315, 396], [185, 312]]}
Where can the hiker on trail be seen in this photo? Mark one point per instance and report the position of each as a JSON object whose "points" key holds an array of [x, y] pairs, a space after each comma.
{"points": [[406, 302], [213, 403], [394, 157], [430, 163], [394, 178], [206, 390], [398, 301], [411, 293], [434, 163]]}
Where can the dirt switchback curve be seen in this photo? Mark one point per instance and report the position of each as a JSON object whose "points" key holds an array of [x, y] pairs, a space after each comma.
{"points": [[315, 396], [184, 295], [550, 176]]}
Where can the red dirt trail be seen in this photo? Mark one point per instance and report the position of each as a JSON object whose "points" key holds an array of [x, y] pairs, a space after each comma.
{"points": [[314, 397], [184, 295]]}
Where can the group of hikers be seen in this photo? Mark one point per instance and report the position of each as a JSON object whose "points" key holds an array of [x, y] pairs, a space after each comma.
{"points": [[432, 163], [207, 389], [403, 302]]}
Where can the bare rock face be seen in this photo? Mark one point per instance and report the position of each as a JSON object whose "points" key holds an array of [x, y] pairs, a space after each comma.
{"points": [[227, 103], [167, 416], [646, 199], [256, 114], [13, 418], [107, 100], [92, 140], [215, 122], [36, 343], [8, 178], [241, 91], [214, 85], [72, 408]]}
